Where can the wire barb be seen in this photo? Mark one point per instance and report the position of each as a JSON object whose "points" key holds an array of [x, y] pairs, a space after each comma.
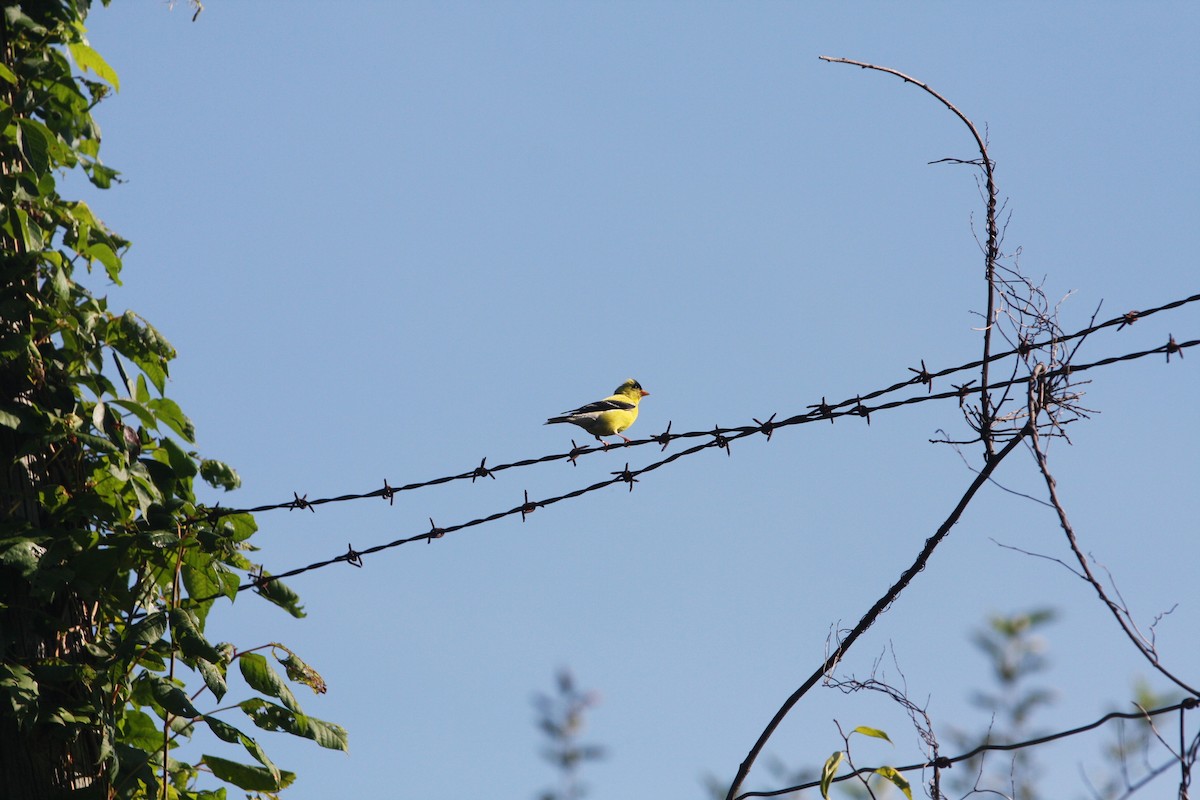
{"points": [[528, 507], [434, 532], [1173, 347], [663, 438], [483, 472], [300, 502], [719, 439], [1129, 318], [824, 410], [388, 493], [353, 557], [259, 579], [627, 476], [923, 375], [862, 410], [767, 427]]}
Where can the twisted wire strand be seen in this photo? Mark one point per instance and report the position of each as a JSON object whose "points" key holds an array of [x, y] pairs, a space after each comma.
{"points": [[821, 411], [717, 437]]}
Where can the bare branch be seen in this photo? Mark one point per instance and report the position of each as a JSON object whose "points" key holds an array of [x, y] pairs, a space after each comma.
{"points": [[992, 251], [874, 613], [1118, 612]]}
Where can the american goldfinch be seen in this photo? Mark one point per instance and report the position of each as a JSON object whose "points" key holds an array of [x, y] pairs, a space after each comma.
{"points": [[610, 416]]}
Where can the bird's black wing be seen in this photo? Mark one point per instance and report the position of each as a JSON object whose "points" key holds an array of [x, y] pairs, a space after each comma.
{"points": [[602, 405]]}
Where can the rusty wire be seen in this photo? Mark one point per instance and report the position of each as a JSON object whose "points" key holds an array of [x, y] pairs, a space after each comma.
{"points": [[854, 406], [716, 437]]}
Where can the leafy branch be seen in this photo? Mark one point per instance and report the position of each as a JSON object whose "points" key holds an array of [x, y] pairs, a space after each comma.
{"points": [[101, 554]]}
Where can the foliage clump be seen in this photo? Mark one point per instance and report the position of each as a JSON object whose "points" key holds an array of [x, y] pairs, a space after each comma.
{"points": [[109, 562]]}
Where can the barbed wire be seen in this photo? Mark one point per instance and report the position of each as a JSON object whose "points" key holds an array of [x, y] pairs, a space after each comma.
{"points": [[820, 411], [718, 437], [944, 762]]}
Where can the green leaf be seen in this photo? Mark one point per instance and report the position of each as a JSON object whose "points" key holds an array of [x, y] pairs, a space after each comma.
{"points": [[143, 634], [224, 731], [101, 176], [278, 593], [146, 347], [156, 372], [271, 717], [329, 735], [144, 490], [242, 525], [244, 776], [167, 483], [34, 145], [896, 778], [231, 734], [205, 577], [105, 255], [8, 75], [160, 540], [170, 414], [88, 59], [829, 771], [28, 231], [182, 463], [219, 475], [200, 575], [61, 284], [260, 755], [99, 416], [138, 410], [230, 583], [185, 632], [262, 678], [213, 678], [85, 219], [21, 418], [88, 147], [23, 556], [875, 732], [97, 442], [18, 693], [21, 21], [140, 730], [171, 697]]}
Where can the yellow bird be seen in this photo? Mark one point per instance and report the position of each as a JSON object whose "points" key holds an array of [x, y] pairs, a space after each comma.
{"points": [[610, 416]]}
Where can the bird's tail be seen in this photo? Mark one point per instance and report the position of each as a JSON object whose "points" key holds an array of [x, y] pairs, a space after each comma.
{"points": [[553, 420]]}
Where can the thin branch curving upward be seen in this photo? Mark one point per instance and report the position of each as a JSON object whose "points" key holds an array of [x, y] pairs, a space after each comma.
{"points": [[991, 250]]}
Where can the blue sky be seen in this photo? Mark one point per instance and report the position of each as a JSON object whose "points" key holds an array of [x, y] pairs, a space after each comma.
{"points": [[390, 240]]}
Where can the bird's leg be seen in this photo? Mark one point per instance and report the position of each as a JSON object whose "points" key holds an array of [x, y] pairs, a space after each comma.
{"points": [[626, 438]]}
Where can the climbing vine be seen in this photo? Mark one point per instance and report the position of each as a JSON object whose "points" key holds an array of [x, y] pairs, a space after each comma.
{"points": [[109, 560]]}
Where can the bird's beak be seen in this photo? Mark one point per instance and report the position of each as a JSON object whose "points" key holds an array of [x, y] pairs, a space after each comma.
{"points": [[644, 392]]}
